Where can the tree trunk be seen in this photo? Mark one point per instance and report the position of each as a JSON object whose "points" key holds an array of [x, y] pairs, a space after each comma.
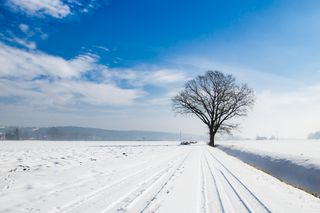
{"points": [[211, 136]]}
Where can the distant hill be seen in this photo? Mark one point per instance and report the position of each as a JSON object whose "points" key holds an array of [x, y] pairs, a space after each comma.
{"points": [[314, 135], [71, 133]]}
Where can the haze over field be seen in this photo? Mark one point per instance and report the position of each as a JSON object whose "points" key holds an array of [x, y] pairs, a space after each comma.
{"points": [[69, 133], [115, 64]]}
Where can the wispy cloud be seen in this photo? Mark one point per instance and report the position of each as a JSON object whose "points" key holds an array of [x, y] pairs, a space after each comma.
{"points": [[28, 64], [54, 8], [37, 78], [24, 28], [151, 76], [40, 78], [30, 32], [103, 48], [42, 93], [23, 42]]}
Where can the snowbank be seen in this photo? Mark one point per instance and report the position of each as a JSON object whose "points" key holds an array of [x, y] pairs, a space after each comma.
{"points": [[294, 162]]}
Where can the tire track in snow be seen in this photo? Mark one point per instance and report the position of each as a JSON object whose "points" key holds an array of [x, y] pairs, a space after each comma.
{"points": [[65, 187], [224, 200], [162, 187], [249, 200], [135, 194], [230, 201], [235, 202], [136, 191], [72, 205], [97, 196], [244, 201], [204, 187], [87, 198], [49, 198]]}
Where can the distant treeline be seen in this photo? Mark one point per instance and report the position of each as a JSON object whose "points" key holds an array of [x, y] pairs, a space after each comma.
{"points": [[88, 134], [11, 134]]}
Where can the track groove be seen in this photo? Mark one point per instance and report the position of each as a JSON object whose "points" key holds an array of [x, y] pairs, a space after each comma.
{"points": [[165, 184], [225, 206], [249, 200], [204, 188], [70, 207], [140, 190]]}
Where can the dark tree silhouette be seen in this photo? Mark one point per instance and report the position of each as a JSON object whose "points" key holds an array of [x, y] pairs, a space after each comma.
{"points": [[216, 100]]}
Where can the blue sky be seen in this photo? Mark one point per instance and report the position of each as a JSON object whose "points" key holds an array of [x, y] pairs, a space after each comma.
{"points": [[116, 63]]}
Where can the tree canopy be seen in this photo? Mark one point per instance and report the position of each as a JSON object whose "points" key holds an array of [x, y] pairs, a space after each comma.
{"points": [[216, 99]]}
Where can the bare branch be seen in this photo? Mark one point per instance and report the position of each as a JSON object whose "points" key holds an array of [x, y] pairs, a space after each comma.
{"points": [[215, 98]]}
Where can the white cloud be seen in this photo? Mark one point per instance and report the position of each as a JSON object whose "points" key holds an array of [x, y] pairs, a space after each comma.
{"points": [[24, 28], [11, 38], [159, 77], [37, 75], [59, 80], [103, 48], [56, 90], [31, 32], [54, 8], [28, 64], [24, 43], [66, 93], [165, 76]]}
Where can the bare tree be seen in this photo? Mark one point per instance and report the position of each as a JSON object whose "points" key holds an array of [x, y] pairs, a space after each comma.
{"points": [[216, 100]]}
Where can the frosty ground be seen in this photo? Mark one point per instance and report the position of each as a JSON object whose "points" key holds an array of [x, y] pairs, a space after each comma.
{"points": [[39, 176]]}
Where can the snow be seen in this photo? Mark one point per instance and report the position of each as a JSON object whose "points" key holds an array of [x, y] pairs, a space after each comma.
{"points": [[42, 176], [296, 162]]}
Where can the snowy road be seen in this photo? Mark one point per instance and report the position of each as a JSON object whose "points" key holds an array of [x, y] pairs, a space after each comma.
{"points": [[142, 179]]}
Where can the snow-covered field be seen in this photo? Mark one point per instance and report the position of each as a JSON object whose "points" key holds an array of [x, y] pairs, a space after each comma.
{"points": [[38, 176], [294, 161]]}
